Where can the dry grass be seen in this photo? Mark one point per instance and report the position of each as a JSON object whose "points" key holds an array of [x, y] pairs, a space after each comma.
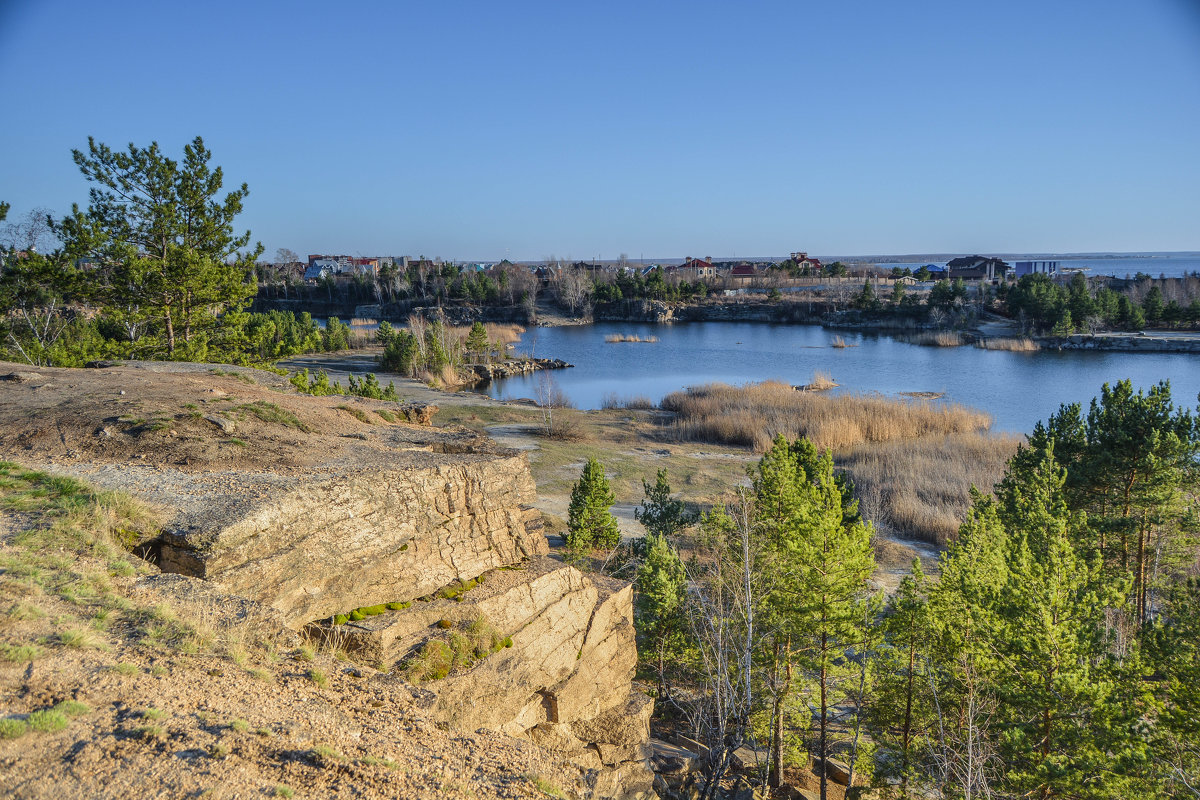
{"points": [[629, 337], [840, 343], [753, 415], [937, 339], [1020, 344], [921, 489], [821, 382]]}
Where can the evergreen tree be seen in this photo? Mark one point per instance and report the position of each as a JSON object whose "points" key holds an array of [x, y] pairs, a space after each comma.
{"points": [[477, 340], [165, 242], [1063, 731], [819, 565], [662, 514], [901, 715], [659, 604], [589, 521], [866, 299]]}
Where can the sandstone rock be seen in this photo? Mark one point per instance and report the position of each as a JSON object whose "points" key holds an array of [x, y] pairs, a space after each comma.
{"points": [[204, 604], [343, 540], [836, 771], [795, 793], [22, 377]]}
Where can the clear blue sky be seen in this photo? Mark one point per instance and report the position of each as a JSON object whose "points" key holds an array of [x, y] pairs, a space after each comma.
{"points": [[478, 130]]}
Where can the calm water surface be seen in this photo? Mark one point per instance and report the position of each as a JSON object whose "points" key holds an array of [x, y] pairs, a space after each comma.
{"points": [[1017, 389]]}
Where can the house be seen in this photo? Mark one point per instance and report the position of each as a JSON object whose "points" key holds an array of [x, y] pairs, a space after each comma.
{"points": [[341, 265], [317, 271], [1035, 267], [694, 269], [742, 275], [974, 268], [805, 261]]}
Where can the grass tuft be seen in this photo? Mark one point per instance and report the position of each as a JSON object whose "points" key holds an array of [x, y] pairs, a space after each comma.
{"points": [[48, 721], [12, 728]]}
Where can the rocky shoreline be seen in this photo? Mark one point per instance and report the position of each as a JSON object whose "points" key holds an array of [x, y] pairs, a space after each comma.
{"points": [[1124, 342], [486, 373]]}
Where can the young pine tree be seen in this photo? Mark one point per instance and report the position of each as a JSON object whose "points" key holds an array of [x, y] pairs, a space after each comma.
{"points": [[589, 522], [660, 513], [661, 591]]}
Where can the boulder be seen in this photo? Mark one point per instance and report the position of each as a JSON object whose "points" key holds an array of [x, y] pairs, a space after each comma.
{"points": [[836, 771]]}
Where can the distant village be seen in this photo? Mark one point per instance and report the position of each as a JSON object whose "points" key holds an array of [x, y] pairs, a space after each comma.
{"points": [[799, 270]]}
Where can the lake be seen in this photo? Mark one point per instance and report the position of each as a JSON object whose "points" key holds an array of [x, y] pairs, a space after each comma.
{"points": [[1017, 389]]}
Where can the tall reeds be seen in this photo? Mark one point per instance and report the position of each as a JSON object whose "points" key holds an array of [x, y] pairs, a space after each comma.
{"points": [[615, 338], [752, 415], [937, 339], [1021, 344], [921, 489]]}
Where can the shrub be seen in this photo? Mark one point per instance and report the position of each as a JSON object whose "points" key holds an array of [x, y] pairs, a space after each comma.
{"points": [[318, 677]]}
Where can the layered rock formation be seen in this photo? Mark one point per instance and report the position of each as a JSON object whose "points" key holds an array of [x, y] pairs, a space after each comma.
{"points": [[564, 680], [316, 506], [338, 540]]}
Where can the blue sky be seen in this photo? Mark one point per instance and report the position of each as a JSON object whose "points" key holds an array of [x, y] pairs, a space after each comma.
{"points": [[479, 130]]}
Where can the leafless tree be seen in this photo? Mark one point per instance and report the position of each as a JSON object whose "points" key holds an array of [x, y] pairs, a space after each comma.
{"points": [[552, 399], [963, 752], [33, 232], [573, 287], [723, 590]]}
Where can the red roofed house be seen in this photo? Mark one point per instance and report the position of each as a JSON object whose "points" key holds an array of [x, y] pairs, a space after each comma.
{"points": [[742, 275], [694, 269]]}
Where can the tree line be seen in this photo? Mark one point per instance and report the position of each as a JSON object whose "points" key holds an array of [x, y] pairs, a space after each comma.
{"points": [[1056, 653]]}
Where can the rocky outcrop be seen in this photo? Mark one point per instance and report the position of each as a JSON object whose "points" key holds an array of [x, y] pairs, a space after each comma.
{"points": [[334, 542], [563, 681], [1126, 343], [486, 373]]}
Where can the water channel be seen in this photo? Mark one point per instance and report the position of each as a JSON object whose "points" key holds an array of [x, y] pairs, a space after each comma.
{"points": [[1017, 389]]}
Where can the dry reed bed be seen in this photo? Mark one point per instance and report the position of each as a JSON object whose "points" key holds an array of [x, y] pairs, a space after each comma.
{"points": [[753, 415], [1022, 344], [937, 339], [921, 489], [615, 338], [821, 382]]}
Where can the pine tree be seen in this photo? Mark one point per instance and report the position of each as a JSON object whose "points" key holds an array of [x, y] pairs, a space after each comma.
{"points": [[477, 340], [590, 524], [902, 709], [165, 242], [661, 514], [658, 605], [820, 563]]}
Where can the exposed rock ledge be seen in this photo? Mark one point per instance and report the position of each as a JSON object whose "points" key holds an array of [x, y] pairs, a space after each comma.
{"points": [[564, 682]]}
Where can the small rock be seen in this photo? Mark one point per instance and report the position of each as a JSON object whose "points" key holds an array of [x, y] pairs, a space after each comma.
{"points": [[224, 424], [122, 391]]}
